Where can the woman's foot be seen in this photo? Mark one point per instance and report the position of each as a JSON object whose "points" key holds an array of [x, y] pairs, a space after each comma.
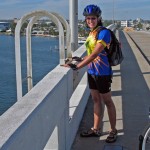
{"points": [[91, 133], [112, 137]]}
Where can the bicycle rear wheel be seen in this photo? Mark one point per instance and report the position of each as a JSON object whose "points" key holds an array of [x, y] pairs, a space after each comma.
{"points": [[145, 140]]}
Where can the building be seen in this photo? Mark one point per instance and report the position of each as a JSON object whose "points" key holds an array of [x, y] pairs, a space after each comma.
{"points": [[4, 26], [139, 20], [127, 23]]}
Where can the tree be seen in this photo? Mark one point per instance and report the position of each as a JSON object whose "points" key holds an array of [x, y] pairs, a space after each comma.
{"points": [[139, 25], [107, 23], [13, 26]]}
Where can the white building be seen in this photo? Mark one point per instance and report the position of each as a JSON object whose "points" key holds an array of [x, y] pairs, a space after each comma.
{"points": [[139, 20], [127, 23], [4, 26]]}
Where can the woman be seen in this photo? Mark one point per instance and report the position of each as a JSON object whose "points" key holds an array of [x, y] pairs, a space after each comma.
{"points": [[99, 72]]}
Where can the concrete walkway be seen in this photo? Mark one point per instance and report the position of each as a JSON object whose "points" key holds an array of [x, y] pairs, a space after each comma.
{"points": [[142, 40], [131, 95]]}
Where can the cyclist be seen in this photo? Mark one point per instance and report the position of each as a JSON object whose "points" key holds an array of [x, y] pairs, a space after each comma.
{"points": [[99, 72]]}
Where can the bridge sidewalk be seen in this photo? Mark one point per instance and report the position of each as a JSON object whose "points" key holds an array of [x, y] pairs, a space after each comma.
{"points": [[130, 93]]}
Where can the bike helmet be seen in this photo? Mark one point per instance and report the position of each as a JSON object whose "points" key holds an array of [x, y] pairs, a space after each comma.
{"points": [[92, 10]]}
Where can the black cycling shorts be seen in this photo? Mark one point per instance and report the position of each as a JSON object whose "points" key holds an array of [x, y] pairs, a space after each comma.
{"points": [[100, 83]]}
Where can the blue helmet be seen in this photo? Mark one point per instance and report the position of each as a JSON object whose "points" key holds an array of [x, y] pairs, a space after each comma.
{"points": [[92, 10]]}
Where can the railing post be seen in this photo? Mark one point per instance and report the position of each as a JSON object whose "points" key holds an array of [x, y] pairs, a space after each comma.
{"points": [[18, 60], [29, 53]]}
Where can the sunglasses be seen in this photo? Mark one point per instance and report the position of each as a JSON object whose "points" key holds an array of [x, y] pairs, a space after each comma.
{"points": [[91, 18]]}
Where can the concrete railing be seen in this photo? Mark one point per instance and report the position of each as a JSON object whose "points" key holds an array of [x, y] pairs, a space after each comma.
{"points": [[112, 27], [48, 116]]}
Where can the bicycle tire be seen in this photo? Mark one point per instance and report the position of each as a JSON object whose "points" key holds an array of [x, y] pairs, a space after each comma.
{"points": [[144, 139]]}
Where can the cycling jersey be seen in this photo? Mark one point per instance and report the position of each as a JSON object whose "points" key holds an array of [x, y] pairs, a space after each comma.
{"points": [[100, 65]]}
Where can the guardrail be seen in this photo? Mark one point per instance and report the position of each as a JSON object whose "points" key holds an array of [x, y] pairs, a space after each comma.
{"points": [[112, 27]]}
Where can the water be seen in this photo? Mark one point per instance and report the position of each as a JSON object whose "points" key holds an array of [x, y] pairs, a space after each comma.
{"points": [[45, 57]]}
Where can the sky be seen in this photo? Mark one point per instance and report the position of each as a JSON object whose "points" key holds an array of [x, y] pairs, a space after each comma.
{"points": [[117, 9]]}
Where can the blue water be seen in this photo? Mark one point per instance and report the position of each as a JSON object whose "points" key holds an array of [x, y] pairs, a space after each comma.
{"points": [[45, 57]]}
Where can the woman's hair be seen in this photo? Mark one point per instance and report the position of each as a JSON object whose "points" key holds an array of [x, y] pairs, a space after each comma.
{"points": [[99, 22]]}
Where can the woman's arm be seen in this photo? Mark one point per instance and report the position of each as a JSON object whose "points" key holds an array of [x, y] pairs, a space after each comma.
{"points": [[98, 48]]}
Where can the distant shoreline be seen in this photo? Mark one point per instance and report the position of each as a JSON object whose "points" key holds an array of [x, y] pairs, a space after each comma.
{"points": [[40, 35], [6, 33]]}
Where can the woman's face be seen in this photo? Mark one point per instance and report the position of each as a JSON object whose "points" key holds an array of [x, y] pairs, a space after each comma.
{"points": [[91, 21]]}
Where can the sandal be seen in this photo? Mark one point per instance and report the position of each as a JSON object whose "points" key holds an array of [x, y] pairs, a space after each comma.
{"points": [[91, 133], [112, 137]]}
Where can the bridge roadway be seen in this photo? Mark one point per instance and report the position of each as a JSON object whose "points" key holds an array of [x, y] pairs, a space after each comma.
{"points": [[131, 95]]}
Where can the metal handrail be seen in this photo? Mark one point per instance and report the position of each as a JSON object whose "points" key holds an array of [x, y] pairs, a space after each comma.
{"points": [[28, 44], [35, 15]]}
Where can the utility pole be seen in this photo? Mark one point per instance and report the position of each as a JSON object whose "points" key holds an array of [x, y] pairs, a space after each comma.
{"points": [[73, 21], [113, 13]]}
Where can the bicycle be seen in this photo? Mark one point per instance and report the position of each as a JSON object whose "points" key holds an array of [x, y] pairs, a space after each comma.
{"points": [[144, 139]]}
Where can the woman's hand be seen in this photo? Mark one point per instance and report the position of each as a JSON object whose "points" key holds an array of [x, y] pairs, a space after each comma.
{"points": [[72, 66], [66, 65]]}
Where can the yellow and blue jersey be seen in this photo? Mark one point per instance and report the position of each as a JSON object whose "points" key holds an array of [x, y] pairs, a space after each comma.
{"points": [[100, 65]]}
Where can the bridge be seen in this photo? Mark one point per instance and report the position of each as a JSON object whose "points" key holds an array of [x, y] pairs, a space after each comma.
{"points": [[48, 117], [130, 93]]}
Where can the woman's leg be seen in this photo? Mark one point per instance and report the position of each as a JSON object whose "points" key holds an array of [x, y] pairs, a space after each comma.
{"points": [[97, 108], [111, 109], [94, 131]]}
